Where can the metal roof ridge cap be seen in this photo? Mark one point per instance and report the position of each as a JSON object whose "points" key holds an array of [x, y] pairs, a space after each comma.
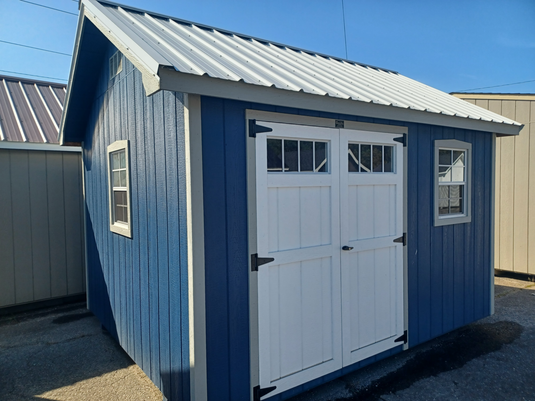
{"points": [[139, 10], [30, 81]]}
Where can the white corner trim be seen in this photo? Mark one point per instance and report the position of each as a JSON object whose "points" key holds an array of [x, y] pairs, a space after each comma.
{"points": [[47, 147], [195, 230], [492, 223]]}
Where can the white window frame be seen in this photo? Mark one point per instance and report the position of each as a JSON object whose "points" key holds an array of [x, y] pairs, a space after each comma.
{"points": [[119, 227], [466, 216]]}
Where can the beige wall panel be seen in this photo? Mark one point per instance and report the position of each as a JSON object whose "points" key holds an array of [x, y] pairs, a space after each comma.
{"points": [[496, 107], [7, 263], [470, 101], [531, 200], [73, 223], [521, 177], [39, 234], [507, 192], [482, 103], [41, 226], [22, 242], [56, 208]]}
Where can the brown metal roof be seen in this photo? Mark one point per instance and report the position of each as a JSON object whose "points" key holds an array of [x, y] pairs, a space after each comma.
{"points": [[30, 111]]}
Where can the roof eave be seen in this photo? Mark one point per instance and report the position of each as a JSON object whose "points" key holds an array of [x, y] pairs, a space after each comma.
{"points": [[173, 80]]}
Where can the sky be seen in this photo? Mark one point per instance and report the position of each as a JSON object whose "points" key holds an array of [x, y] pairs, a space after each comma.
{"points": [[452, 45]]}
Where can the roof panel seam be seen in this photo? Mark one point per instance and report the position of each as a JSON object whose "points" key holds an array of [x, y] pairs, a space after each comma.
{"points": [[33, 113], [16, 114], [46, 107], [56, 97]]}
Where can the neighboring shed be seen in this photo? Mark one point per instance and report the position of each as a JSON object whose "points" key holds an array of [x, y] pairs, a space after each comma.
{"points": [[41, 220], [515, 182], [261, 219]]}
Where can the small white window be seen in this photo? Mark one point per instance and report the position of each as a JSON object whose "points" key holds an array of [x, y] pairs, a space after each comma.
{"points": [[116, 64], [119, 188], [297, 155], [452, 182]]}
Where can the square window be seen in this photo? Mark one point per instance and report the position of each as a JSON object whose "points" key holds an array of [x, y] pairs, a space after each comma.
{"points": [[119, 188]]}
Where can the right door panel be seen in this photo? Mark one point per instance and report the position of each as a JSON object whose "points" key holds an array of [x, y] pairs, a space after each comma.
{"points": [[371, 210]]}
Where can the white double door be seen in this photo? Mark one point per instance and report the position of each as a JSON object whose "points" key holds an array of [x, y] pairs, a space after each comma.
{"points": [[321, 307]]}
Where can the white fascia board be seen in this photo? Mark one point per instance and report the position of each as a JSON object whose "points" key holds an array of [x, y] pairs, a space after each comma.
{"points": [[126, 36], [201, 85], [38, 146], [74, 63]]}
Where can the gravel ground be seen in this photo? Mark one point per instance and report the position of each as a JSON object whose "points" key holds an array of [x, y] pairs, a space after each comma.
{"points": [[492, 359], [62, 354]]}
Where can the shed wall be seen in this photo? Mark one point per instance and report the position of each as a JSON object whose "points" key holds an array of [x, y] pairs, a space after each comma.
{"points": [[138, 286], [448, 267], [41, 226], [515, 184]]}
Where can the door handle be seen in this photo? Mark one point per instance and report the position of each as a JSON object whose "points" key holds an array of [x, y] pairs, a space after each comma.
{"points": [[347, 248]]}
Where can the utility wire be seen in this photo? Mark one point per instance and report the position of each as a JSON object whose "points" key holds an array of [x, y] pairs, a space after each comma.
{"points": [[496, 86], [51, 8], [36, 48], [344, 18], [32, 75]]}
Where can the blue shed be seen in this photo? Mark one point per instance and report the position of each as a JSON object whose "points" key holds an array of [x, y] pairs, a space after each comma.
{"points": [[262, 219]]}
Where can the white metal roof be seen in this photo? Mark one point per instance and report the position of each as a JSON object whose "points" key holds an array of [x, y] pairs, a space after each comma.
{"points": [[158, 41]]}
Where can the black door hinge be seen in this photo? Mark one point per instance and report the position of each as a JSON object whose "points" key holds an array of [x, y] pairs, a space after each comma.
{"points": [[256, 261], [254, 129], [260, 392], [402, 338], [402, 239], [402, 139]]}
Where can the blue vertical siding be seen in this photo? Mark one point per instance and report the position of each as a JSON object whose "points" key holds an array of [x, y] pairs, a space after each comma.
{"points": [[448, 266], [138, 286]]}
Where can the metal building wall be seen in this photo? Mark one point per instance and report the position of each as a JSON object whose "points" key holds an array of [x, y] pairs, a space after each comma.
{"points": [[137, 286], [41, 226], [515, 182], [449, 267]]}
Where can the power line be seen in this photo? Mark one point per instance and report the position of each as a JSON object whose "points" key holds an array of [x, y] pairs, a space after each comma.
{"points": [[32, 75], [496, 86], [344, 18], [51, 8], [36, 48]]}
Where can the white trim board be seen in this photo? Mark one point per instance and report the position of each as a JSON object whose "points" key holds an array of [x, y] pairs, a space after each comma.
{"points": [[39, 146], [188, 83], [195, 229]]}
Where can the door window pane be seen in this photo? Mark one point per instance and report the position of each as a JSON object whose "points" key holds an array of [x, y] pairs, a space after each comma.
{"points": [[306, 155], [365, 158], [387, 159], [320, 155], [274, 154], [377, 158], [290, 155], [353, 157]]}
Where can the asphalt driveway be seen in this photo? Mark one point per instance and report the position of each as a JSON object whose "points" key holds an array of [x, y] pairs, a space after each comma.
{"points": [[62, 354]]}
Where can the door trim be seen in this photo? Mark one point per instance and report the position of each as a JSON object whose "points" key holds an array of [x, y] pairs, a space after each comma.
{"points": [[252, 213]]}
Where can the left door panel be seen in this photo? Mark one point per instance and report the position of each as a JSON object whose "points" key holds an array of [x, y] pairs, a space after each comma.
{"points": [[298, 218]]}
